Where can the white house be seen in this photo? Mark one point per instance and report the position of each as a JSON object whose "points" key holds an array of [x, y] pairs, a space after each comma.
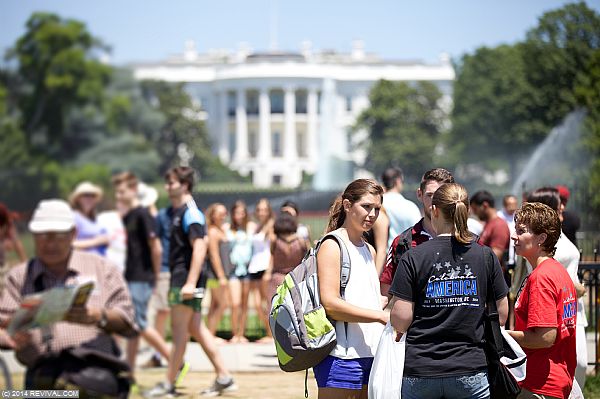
{"points": [[275, 115]]}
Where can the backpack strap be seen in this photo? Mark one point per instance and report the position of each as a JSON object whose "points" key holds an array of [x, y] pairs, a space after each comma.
{"points": [[404, 244], [344, 260]]}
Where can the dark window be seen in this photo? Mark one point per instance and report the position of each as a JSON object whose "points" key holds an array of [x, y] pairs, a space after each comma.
{"points": [[276, 101], [252, 102], [301, 101], [231, 103]]}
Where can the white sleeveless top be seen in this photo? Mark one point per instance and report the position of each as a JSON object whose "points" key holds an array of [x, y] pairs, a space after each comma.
{"points": [[261, 253], [362, 290]]}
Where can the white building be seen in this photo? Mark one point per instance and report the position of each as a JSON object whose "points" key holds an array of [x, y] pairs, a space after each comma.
{"points": [[275, 115]]}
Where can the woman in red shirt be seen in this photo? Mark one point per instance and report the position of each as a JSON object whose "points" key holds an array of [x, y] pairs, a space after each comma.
{"points": [[546, 306]]}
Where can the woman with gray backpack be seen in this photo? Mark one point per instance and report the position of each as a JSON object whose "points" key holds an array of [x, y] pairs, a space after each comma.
{"points": [[358, 314]]}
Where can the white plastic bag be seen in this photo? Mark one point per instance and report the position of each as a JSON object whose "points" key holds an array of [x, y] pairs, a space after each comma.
{"points": [[515, 359], [576, 391], [385, 381]]}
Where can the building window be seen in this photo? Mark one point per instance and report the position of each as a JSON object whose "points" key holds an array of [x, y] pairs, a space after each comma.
{"points": [[348, 103], [301, 144], [276, 147], [301, 101], [252, 102], [252, 143], [276, 97], [232, 142], [277, 180], [231, 103]]}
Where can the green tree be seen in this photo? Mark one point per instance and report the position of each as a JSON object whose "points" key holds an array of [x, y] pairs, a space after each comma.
{"points": [[182, 137], [588, 94], [58, 72], [491, 124], [404, 123], [556, 52]]}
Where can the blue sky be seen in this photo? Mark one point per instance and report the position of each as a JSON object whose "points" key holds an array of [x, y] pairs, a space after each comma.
{"points": [[150, 30]]}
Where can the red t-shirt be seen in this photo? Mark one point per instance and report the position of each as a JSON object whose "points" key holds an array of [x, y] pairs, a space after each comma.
{"points": [[548, 299], [419, 236], [496, 234]]}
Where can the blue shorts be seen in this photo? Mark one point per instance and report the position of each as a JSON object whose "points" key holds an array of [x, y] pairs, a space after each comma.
{"points": [[334, 372], [140, 292]]}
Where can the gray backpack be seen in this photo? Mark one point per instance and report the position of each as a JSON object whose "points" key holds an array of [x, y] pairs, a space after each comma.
{"points": [[303, 334]]}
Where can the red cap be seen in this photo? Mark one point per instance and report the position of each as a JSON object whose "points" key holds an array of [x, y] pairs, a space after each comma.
{"points": [[564, 193]]}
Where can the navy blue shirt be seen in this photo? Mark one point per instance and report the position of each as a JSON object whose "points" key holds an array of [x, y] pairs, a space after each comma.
{"points": [[188, 224], [447, 281]]}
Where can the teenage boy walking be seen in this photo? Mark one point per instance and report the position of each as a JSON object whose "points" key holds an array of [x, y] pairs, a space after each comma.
{"points": [[187, 252]]}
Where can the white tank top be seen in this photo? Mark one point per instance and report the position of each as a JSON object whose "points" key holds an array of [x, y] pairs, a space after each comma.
{"points": [[261, 253], [362, 290]]}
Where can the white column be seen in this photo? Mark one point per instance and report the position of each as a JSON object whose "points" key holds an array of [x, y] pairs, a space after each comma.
{"points": [[290, 152], [264, 122], [311, 111], [223, 124], [241, 128]]}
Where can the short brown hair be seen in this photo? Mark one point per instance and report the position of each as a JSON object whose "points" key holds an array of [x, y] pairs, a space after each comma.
{"points": [[125, 177], [540, 218], [183, 174], [439, 175]]}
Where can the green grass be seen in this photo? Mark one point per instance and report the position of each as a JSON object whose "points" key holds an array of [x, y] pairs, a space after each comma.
{"points": [[592, 387]]}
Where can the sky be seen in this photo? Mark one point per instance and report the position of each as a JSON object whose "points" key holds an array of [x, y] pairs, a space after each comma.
{"points": [[151, 30]]}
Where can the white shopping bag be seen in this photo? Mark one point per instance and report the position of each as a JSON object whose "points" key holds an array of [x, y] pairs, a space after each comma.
{"points": [[576, 391], [385, 381], [514, 357]]}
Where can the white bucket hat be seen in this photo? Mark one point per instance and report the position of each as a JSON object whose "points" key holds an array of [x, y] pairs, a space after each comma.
{"points": [[52, 215], [85, 188], [147, 195]]}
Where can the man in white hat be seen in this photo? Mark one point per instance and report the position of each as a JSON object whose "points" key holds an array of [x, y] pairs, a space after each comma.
{"points": [[108, 310]]}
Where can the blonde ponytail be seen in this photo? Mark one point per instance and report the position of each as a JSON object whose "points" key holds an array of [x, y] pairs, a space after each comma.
{"points": [[453, 201]]}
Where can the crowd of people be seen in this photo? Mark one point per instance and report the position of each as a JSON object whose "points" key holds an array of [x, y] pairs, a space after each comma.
{"points": [[429, 272]]}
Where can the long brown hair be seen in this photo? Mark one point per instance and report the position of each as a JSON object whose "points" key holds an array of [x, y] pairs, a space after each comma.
{"points": [[268, 225], [234, 225], [452, 200], [353, 193]]}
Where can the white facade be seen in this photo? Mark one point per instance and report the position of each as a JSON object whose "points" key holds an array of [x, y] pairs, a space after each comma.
{"points": [[264, 109]]}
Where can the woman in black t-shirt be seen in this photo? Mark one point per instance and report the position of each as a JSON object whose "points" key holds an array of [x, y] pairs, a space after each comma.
{"points": [[440, 291]]}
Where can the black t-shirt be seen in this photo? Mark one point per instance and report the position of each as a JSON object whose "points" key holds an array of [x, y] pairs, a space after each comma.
{"points": [[188, 225], [140, 227], [570, 225], [447, 282]]}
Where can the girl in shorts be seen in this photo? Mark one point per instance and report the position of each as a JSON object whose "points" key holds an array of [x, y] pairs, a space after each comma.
{"points": [[240, 240], [359, 318]]}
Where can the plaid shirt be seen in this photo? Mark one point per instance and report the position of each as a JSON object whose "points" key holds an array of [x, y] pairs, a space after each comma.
{"points": [[110, 292]]}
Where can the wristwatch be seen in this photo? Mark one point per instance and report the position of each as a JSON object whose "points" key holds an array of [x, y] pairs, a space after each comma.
{"points": [[103, 322]]}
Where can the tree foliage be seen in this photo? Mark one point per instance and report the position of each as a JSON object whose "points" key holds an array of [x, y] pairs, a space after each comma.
{"points": [[556, 53], [65, 117], [404, 123], [492, 99], [57, 72]]}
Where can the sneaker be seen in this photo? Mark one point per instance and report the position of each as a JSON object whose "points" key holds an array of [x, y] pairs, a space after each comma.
{"points": [[218, 388], [185, 367], [153, 362], [162, 390]]}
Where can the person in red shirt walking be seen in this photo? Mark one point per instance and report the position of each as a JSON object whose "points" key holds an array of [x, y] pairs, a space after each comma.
{"points": [[496, 233], [546, 306]]}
